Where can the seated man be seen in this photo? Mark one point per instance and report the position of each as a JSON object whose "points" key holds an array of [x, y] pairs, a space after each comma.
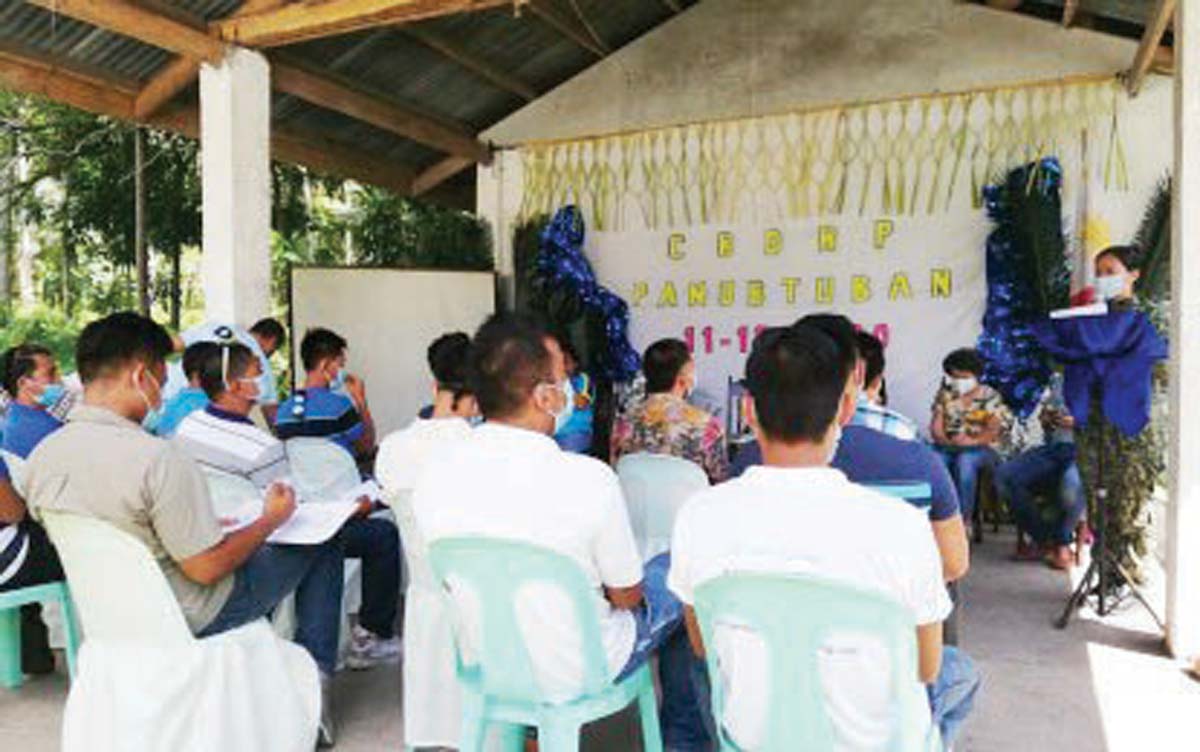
{"points": [[404, 454], [103, 465], [664, 422], [222, 436], [871, 411], [869, 456], [1049, 469], [509, 479], [189, 399], [795, 514], [27, 558], [969, 420], [576, 434], [321, 408], [264, 339]]}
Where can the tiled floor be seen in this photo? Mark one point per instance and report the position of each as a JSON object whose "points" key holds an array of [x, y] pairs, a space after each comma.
{"points": [[1094, 687]]}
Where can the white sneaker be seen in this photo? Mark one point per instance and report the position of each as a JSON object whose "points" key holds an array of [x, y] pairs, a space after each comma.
{"points": [[368, 650]]}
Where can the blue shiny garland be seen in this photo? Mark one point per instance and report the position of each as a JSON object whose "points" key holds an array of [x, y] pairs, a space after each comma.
{"points": [[563, 271], [1016, 364]]}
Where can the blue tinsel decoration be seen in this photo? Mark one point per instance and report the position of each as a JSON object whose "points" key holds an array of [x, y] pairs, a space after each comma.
{"points": [[565, 274], [1023, 285]]}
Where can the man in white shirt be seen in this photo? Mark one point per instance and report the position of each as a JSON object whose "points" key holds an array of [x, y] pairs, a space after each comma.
{"points": [[222, 437], [510, 480], [264, 338], [795, 514]]}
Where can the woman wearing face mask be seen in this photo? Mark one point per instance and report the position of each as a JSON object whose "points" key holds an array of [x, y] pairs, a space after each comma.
{"points": [[969, 420], [1116, 274], [30, 377]]}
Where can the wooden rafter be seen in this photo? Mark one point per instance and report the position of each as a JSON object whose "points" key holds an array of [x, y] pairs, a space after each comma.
{"points": [[342, 96], [132, 21], [439, 173], [29, 75], [182, 73], [308, 85], [1070, 8], [1156, 25], [298, 22], [569, 27], [452, 50]]}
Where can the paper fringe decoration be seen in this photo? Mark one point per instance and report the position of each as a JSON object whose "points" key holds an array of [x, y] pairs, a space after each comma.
{"points": [[897, 157]]}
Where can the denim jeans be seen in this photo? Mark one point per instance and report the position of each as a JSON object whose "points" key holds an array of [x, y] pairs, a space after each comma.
{"points": [[377, 543], [1049, 470], [952, 696], [272, 573], [685, 715], [965, 464]]}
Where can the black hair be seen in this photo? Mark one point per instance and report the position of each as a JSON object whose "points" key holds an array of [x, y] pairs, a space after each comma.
{"points": [[964, 359], [18, 362], [662, 363], [320, 345], [870, 349], [796, 376], [224, 363], [839, 329], [117, 341], [448, 358], [508, 360], [1130, 256], [270, 329], [194, 357]]}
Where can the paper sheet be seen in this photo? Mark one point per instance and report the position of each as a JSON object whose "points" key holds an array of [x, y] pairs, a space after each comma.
{"points": [[309, 525]]}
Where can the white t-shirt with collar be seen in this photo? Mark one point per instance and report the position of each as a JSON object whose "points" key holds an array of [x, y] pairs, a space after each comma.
{"points": [[516, 484], [405, 454], [810, 520]]}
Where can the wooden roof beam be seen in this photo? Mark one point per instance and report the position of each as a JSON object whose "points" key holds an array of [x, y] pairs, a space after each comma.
{"points": [[451, 50], [27, 75], [439, 173], [135, 22], [183, 72], [342, 96], [299, 22], [1156, 25], [1070, 8], [570, 28]]}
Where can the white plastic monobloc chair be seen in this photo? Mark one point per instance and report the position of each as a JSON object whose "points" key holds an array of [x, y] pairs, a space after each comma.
{"points": [[432, 697], [145, 683], [655, 487]]}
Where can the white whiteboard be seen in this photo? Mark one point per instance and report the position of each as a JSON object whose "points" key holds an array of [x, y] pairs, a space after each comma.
{"points": [[389, 317]]}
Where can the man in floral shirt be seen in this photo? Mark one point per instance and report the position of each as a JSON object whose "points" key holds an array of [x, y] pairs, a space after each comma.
{"points": [[664, 422]]}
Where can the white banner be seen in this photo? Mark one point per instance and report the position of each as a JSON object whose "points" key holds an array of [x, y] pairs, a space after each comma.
{"points": [[916, 282]]}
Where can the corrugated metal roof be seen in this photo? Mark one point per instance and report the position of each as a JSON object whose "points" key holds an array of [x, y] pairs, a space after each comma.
{"points": [[383, 60]]}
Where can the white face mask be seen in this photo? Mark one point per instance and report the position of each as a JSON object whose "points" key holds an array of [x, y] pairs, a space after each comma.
{"points": [[963, 386], [1110, 286], [563, 416]]}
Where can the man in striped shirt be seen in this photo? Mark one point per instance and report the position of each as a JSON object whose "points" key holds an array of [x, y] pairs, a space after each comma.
{"points": [[871, 411], [223, 437]]}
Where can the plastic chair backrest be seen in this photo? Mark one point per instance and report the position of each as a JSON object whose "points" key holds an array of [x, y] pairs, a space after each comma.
{"points": [[416, 551], [228, 491], [16, 470], [794, 615], [917, 493], [655, 487], [119, 590], [321, 470], [495, 571]]}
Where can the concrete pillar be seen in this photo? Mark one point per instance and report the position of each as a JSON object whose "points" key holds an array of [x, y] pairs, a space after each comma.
{"points": [[1183, 520], [235, 131]]}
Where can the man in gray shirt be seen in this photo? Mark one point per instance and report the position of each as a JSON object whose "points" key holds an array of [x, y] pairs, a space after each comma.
{"points": [[102, 464]]}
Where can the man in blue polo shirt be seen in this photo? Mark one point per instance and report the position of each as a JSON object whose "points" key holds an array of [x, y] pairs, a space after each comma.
{"points": [[333, 402], [30, 377]]}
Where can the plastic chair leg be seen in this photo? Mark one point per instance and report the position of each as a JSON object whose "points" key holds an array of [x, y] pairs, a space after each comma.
{"points": [[71, 633], [648, 710], [11, 675], [512, 737], [558, 735], [474, 726]]}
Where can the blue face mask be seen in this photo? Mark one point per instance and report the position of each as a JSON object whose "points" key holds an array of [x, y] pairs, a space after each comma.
{"points": [[339, 381], [563, 416], [51, 395], [153, 419]]}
